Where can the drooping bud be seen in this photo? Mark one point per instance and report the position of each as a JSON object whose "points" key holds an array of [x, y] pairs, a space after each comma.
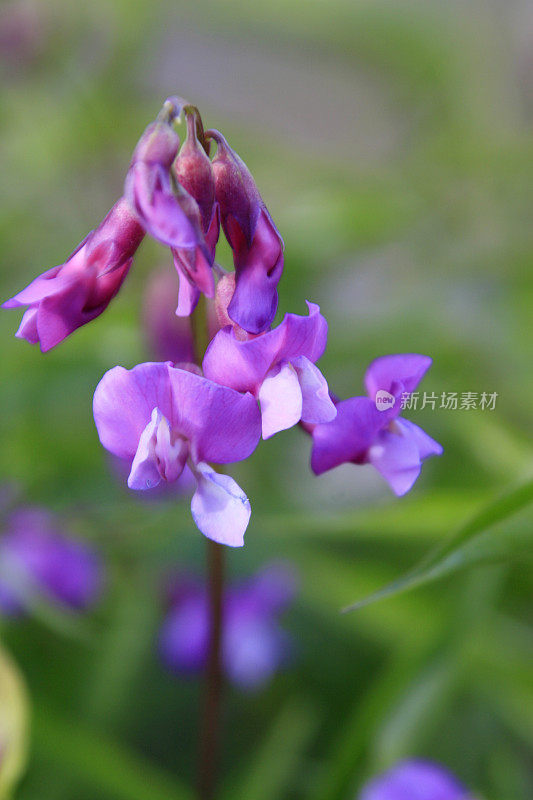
{"points": [[165, 209], [194, 172], [255, 241]]}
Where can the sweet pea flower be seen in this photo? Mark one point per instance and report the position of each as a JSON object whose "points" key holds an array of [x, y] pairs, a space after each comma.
{"points": [[369, 430], [256, 243], [162, 418], [254, 646], [68, 296], [278, 368], [37, 561], [415, 780]]}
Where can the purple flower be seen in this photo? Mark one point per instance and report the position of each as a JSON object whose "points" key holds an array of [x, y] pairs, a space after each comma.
{"points": [[278, 368], [415, 780], [166, 211], [361, 433], [255, 241], [254, 647], [66, 297], [162, 418], [38, 561]]}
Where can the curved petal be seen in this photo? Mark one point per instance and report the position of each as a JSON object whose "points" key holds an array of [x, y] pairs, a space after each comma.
{"points": [[396, 458], [405, 369], [347, 438], [124, 401], [219, 507], [280, 398], [144, 473], [258, 270], [317, 405], [426, 445], [222, 425], [243, 365]]}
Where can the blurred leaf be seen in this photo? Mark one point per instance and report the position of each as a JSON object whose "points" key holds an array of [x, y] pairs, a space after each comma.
{"points": [[468, 547], [93, 759], [279, 755], [14, 712]]}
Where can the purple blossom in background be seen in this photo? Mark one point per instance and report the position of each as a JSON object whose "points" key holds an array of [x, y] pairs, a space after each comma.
{"points": [[38, 561], [162, 418], [169, 337], [361, 433], [256, 243], [415, 780], [254, 645], [66, 297], [278, 368]]}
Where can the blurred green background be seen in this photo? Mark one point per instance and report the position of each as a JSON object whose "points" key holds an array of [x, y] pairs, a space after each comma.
{"points": [[392, 143]]}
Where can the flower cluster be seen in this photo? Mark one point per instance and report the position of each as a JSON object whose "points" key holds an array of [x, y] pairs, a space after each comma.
{"points": [[180, 416], [254, 645]]}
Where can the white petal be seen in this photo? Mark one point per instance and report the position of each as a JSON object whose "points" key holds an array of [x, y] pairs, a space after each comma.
{"points": [[280, 398], [219, 507]]}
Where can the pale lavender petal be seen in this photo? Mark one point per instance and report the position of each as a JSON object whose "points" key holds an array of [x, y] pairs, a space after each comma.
{"points": [[347, 437], [272, 588], [28, 326], [144, 473], [219, 507], [317, 405], [405, 369], [415, 780], [280, 398], [254, 649], [426, 445], [395, 456], [124, 401]]}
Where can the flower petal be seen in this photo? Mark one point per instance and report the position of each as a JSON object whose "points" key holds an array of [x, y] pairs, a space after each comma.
{"points": [[124, 401], [317, 405], [406, 369], [219, 507], [243, 365], [347, 438], [280, 397], [415, 780]]}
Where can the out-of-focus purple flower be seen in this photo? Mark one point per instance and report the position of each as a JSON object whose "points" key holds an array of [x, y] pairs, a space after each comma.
{"points": [[369, 430], [66, 297], [169, 337], [278, 368], [165, 209], [254, 646], [415, 780], [162, 418], [256, 243], [37, 561]]}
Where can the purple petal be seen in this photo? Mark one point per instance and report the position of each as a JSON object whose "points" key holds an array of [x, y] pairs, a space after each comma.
{"points": [[184, 636], [280, 398], [317, 405], [258, 269], [219, 507], [169, 337], [272, 588], [398, 452], [223, 425], [123, 404], [243, 365], [405, 369], [188, 294], [254, 649], [144, 473], [415, 780], [347, 437]]}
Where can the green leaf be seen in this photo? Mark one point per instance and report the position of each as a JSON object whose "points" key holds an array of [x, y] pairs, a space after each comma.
{"points": [[92, 758], [467, 546], [279, 755]]}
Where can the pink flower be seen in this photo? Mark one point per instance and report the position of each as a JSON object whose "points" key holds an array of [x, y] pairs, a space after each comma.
{"points": [[66, 297], [162, 418]]}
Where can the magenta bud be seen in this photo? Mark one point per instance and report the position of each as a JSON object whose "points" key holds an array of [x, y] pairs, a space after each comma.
{"points": [[68, 296], [194, 172]]}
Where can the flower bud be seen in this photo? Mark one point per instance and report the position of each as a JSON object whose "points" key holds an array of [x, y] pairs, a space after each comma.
{"points": [[194, 172]]}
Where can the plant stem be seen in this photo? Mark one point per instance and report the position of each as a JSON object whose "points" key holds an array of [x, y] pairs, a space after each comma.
{"points": [[208, 755]]}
